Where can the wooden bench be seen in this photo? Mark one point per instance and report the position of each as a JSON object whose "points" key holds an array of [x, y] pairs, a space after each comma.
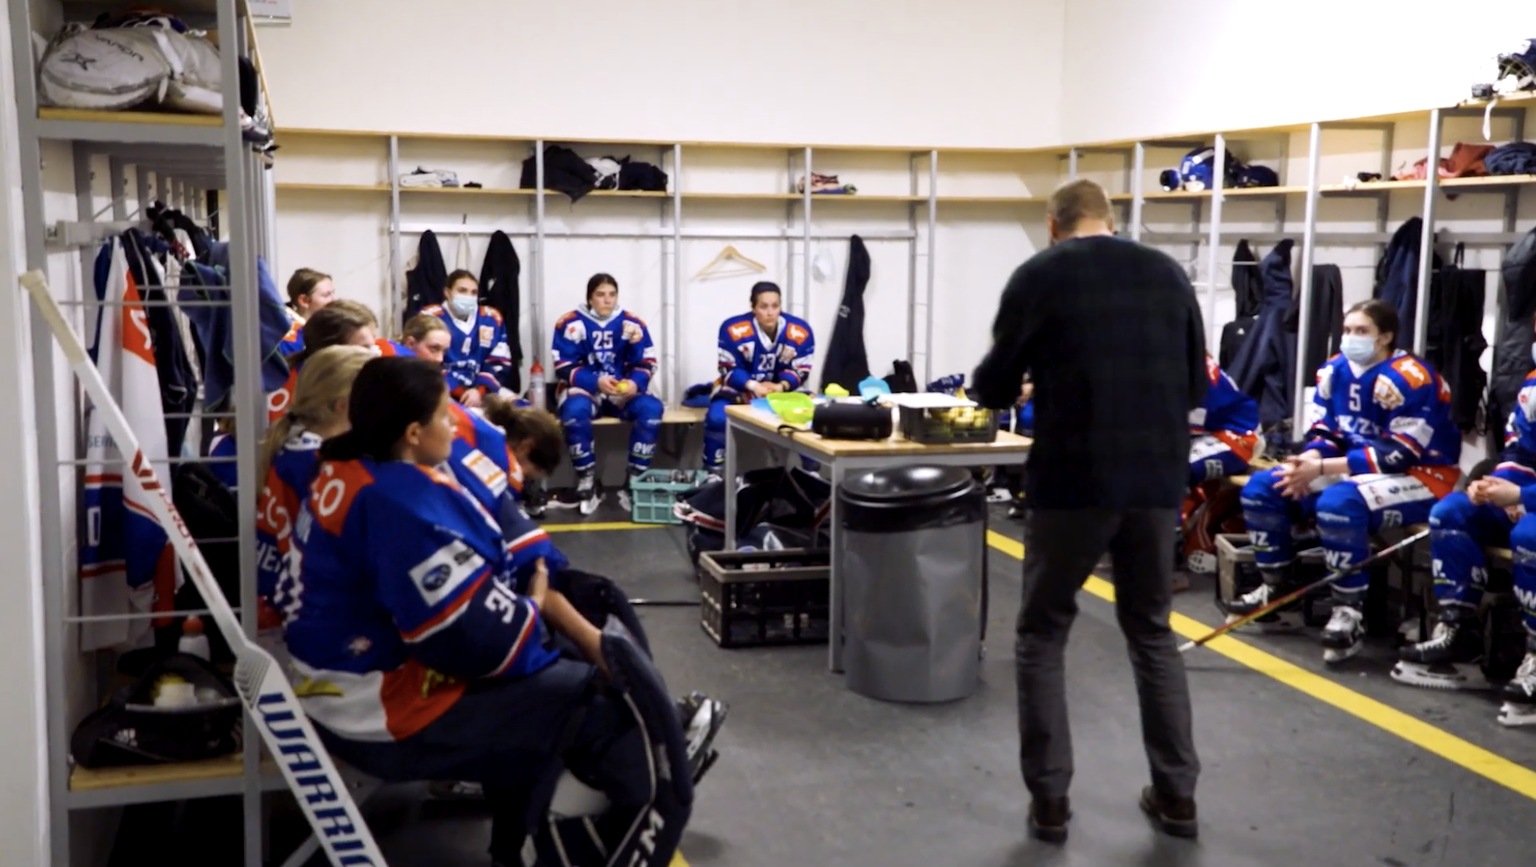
{"points": [[672, 415]]}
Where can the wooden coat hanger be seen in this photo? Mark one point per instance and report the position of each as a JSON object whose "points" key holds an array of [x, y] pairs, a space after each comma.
{"points": [[730, 253]]}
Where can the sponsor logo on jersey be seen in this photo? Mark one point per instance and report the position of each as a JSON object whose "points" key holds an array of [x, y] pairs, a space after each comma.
{"points": [[796, 334], [486, 471], [359, 646], [487, 334], [1386, 394], [1325, 381], [632, 332], [786, 353], [575, 333], [741, 331], [1212, 369], [449, 566], [747, 351], [1412, 371]]}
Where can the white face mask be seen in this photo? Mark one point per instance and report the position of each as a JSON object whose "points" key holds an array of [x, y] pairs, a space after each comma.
{"points": [[1533, 352], [1358, 348], [463, 306]]}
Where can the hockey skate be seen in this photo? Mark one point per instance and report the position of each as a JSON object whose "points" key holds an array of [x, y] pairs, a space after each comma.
{"points": [[1449, 659], [702, 718], [1286, 619], [626, 495], [1519, 694], [586, 492], [1345, 633]]}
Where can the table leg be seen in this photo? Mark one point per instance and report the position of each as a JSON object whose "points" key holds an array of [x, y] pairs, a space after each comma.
{"points": [[730, 484], [835, 577]]}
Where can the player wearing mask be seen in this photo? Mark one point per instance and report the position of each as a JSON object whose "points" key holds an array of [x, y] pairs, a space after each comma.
{"points": [[477, 356], [604, 363]]}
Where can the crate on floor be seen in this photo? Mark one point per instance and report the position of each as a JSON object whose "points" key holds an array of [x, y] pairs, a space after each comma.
{"points": [[654, 493], [760, 598]]}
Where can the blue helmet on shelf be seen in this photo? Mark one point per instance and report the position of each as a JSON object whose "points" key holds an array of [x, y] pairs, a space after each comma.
{"points": [[1196, 170], [1517, 71]]}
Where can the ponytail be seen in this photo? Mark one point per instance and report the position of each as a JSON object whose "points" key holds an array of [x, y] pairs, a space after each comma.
{"points": [[324, 381], [389, 394], [332, 325], [540, 429]]}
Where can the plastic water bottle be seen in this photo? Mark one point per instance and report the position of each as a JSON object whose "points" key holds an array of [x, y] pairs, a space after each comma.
{"points": [[193, 641], [536, 383]]}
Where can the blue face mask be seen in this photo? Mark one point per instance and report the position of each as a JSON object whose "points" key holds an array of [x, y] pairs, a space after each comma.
{"points": [[1358, 348], [463, 306]]}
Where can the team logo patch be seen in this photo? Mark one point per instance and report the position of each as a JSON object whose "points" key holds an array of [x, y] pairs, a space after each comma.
{"points": [[575, 333], [1412, 371], [487, 334], [1386, 394], [747, 351], [359, 646], [1325, 382], [449, 566], [796, 334], [632, 332], [786, 353], [1528, 402], [1212, 369], [741, 331]]}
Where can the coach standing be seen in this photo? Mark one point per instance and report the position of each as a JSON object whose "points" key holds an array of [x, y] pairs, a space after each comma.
{"points": [[1112, 337]]}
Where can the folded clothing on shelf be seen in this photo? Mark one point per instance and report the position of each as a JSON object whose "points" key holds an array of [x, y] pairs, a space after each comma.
{"points": [[1515, 158], [424, 177], [1465, 161], [825, 185]]}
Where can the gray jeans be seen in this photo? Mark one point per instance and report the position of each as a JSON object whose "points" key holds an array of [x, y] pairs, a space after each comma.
{"points": [[1061, 549]]}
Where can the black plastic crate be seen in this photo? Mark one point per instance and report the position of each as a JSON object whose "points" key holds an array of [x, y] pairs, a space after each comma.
{"points": [[765, 598], [937, 426]]}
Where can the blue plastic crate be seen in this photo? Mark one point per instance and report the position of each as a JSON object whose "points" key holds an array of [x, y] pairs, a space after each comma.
{"points": [[654, 493]]}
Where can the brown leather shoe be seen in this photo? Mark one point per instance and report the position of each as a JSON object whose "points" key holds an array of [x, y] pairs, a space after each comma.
{"points": [[1048, 819], [1175, 816]]}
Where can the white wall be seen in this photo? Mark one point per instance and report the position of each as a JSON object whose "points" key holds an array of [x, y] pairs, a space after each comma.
{"points": [[904, 72], [1135, 68]]}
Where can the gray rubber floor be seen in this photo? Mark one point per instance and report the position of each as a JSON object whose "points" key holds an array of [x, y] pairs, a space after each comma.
{"points": [[812, 774]]}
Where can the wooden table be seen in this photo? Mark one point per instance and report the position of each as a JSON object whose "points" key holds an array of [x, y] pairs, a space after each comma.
{"points": [[841, 457]]}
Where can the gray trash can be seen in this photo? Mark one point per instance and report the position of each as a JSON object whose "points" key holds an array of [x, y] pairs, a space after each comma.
{"points": [[912, 577]]}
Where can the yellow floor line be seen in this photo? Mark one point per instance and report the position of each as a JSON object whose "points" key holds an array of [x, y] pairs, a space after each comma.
{"points": [[678, 860], [1511, 775], [600, 525]]}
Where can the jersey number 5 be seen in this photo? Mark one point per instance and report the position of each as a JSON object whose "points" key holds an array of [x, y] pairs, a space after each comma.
{"points": [[1354, 397]]}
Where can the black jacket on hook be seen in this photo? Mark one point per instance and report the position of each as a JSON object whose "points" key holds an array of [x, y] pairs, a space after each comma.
{"points": [[1264, 365], [1325, 327], [1248, 289], [1397, 277], [1512, 357], [847, 363], [1455, 341], [499, 290], [424, 283]]}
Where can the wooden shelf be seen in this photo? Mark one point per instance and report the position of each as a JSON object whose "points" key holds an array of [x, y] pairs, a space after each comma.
{"points": [[462, 191], [82, 115], [992, 200], [334, 188], [95, 779], [745, 197], [672, 415]]}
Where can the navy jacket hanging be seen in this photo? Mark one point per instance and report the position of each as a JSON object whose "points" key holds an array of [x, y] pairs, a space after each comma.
{"points": [[178, 381], [1326, 325], [424, 284], [499, 290], [1248, 290], [847, 364], [1397, 277], [1455, 341], [1512, 357], [1265, 362]]}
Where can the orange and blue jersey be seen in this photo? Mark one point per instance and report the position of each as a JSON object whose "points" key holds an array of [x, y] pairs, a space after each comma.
{"points": [[278, 401], [277, 509], [405, 595], [477, 356]]}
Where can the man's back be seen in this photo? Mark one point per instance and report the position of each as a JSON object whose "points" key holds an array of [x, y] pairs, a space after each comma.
{"points": [[1112, 334]]}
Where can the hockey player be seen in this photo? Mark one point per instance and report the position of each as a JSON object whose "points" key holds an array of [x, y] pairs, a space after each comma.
{"points": [[427, 336], [308, 291], [288, 457], [341, 323], [761, 352], [1381, 453], [1223, 430], [604, 363], [420, 659], [477, 356], [1519, 694]]}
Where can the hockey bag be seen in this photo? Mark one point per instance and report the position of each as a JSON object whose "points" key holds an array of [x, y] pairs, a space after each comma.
{"points": [[132, 729], [642, 826], [123, 62], [775, 508]]}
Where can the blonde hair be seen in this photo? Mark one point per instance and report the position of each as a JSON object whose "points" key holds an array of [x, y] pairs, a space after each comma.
{"points": [[1075, 201], [538, 428], [325, 379], [421, 325]]}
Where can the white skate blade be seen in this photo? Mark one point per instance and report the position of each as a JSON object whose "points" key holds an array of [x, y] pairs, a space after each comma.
{"points": [[1333, 656], [589, 505], [1513, 715], [1451, 676]]}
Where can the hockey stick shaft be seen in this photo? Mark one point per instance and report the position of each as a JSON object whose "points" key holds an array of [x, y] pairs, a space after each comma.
{"points": [[272, 705], [1302, 591]]}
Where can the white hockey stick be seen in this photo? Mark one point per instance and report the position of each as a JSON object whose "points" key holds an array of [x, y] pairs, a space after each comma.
{"points": [[306, 765]]}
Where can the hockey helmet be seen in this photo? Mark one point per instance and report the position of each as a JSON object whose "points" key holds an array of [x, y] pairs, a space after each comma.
{"points": [[1197, 169], [1517, 71]]}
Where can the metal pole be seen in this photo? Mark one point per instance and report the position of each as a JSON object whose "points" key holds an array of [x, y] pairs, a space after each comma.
{"points": [[805, 246], [1138, 194], [396, 303], [536, 302], [674, 373], [141, 178], [119, 188], [1304, 311], [1213, 245], [933, 225], [1072, 164], [912, 259], [1427, 238], [249, 423]]}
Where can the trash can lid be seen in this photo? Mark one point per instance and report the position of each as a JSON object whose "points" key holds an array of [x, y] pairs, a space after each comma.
{"points": [[902, 486]]}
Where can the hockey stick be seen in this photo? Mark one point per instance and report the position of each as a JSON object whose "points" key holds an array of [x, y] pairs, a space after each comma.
{"points": [[1302, 591], [272, 706]]}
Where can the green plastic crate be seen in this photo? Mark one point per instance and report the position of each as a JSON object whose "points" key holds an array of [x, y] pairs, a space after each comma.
{"points": [[654, 493]]}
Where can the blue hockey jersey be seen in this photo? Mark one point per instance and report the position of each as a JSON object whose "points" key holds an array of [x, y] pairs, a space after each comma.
{"points": [[1518, 461], [277, 508], [1226, 407], [587, 348], [222, 446], [1392, 417], [747, 354], [477, 355], [405, 594], [485, 467], [293, 341]]}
